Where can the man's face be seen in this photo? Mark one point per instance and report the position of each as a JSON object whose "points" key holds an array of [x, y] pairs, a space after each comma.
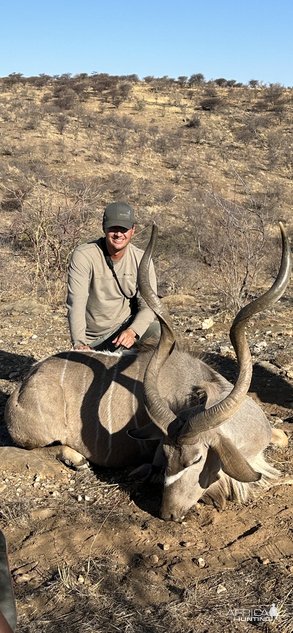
{"points": [[117, 238]]}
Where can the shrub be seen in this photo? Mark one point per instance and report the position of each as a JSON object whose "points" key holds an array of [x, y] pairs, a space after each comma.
{"points": [[140, 105], [231, 242], [61, 122], [64, 98], [13, 199], [193, 122], [166, 195], [49, 227], [119, 184], [40, 81], [252, 126], [222, 248], [211, 103], [120, 93]]}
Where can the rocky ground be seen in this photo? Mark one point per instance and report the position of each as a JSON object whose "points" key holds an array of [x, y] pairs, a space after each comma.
{"points": [[87, 550]]}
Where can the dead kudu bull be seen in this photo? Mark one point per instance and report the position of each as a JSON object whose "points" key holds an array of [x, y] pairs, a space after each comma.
{"points": [[209, 436]]}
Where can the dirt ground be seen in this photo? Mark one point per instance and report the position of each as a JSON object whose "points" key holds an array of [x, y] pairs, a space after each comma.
{"points": [[87, 550]]}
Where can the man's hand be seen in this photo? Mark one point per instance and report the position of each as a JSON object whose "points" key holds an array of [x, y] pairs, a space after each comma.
{"points": [[126, 338], [81, 347], [4, 626]]}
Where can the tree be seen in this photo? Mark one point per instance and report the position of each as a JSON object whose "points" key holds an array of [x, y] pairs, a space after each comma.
{"points": [[196, 79], [182, 80], [13, 79], [231, 83], [221, 81]]}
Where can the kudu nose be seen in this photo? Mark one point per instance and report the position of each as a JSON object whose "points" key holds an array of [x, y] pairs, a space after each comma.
{"points": [[177, 517]]}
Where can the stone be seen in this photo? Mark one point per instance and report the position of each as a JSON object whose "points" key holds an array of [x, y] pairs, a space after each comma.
{"points": [[207, 323], [36, 462], [201, 562], [154, 559]]}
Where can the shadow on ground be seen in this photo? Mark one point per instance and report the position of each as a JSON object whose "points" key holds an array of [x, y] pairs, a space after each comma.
{"points": [[271, 388], [13, 367]]}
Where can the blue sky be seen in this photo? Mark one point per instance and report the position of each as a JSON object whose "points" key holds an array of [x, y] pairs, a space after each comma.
{"points": [[234, 39]]}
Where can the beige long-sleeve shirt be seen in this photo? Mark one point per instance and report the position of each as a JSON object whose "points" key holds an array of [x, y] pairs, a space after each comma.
{"points": [[96, 306]]}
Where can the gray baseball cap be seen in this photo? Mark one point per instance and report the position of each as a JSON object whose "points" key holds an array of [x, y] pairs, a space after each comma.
{"points": [[118, 214]]}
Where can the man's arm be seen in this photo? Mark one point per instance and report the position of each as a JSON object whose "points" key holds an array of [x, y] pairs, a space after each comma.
{"points": [[142, 320], [78, 290], [4, 626]]}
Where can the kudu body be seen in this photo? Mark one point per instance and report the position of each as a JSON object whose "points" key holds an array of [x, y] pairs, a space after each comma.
{"points": [[108, 406]]}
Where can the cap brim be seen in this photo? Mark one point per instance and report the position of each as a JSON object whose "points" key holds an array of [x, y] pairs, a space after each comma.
{"points": [[124, 225]]}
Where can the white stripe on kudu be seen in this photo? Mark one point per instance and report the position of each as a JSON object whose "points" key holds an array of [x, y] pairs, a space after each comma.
{"points": [[111, 393], [169, 480], [62, 382]]}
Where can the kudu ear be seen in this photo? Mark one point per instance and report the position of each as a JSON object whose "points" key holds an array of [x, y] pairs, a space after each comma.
{"points": [[233, 463], [147, 432]]}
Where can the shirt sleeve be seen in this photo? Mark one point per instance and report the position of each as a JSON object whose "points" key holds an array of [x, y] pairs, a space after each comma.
{"points": [[79, 274], [145, 315]]}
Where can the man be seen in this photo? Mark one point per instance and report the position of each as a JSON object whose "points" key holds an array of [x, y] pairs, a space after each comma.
{"points": [[105, 309]]}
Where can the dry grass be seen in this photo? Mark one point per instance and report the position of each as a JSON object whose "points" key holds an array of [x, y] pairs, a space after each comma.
{"points": [[103, 600], [209, 177]]}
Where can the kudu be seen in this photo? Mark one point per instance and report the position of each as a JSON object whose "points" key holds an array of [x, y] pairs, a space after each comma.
{"points": [[209, 436]]}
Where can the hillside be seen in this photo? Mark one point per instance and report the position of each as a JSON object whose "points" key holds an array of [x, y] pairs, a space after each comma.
{"points": [[211, 163]]}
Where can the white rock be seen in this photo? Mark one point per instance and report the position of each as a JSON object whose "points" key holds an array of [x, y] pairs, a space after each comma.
{"points": [[154, 559], [164, 546], [224, 350], [201, 562], [207, 323], [259, 346], [80, 579]]}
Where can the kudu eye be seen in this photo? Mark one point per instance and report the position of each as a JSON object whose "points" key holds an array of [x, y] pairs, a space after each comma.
{"points": [[193, 461]]}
